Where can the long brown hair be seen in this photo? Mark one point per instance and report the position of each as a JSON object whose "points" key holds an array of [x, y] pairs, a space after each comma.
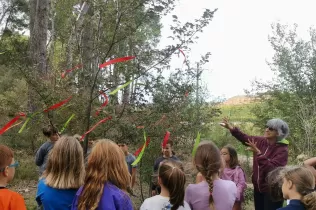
{"points": [[106, 163], [208, 162], [233, 163], [65, 165], [172, 177], [304, 181]]}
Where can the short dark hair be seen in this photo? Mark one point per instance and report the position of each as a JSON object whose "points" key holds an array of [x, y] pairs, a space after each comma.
{"points": [[275, 180], [233, 163], [49, 130]]}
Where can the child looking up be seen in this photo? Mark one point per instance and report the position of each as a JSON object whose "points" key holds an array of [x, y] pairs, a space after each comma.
{"points": [[171, 179], [234, 172], [42, 154], [9, 200], [298, 186], [212, 192]]}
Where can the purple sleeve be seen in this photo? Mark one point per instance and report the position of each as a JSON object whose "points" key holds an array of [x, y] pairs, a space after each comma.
{"points": [[74, 205], [242, 137], [122, 201], [241, 184], [187, 196], [267, 164]]}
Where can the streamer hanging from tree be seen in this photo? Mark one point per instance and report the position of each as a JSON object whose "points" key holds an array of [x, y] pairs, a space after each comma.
{"points": [[9, 124]]}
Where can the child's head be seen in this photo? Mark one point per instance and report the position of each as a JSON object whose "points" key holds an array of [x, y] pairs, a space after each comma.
{"points": [[299, 180], [124, 146], [208, 162], [106, 163], [65, 166], [7, 164], [274, 180], [167, 151], [230, 157], [172, 177], [51, 132]]}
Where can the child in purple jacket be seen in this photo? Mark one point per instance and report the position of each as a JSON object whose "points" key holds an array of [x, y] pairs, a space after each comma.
{"points": [[235, 173], [269, 152], [107, 180]]}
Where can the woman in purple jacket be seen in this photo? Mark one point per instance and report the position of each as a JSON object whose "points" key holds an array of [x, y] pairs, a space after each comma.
{"points": [[269, 152]]}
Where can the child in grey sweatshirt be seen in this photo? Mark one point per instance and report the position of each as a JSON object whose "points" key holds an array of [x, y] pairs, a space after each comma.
{"points": [[42, 153]]}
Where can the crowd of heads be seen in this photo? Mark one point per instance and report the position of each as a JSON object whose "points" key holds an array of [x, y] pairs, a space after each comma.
{"points": [[106, 163]]}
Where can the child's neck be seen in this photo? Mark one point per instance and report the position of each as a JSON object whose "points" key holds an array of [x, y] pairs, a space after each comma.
{"points": [[3, 182], [293, 195], [164, 192]]}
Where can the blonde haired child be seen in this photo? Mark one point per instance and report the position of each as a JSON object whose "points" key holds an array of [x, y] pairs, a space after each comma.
{"points": [[63, 176]]}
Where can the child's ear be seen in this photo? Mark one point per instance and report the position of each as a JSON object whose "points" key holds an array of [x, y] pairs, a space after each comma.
{"points": [[6, 172], [290, 184], [159, 181]]}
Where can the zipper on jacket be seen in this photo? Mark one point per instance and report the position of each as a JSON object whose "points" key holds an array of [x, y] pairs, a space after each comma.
{"points": [[258, 178]]}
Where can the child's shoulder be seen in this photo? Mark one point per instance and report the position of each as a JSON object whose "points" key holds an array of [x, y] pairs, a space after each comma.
{"points": [[223, 183], [11, 195]]}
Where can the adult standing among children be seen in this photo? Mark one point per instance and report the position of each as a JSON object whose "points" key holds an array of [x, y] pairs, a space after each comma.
{"points": [[269, 152]]}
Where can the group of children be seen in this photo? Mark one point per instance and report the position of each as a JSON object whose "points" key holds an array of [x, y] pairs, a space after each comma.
{"points": [[103, 183]]}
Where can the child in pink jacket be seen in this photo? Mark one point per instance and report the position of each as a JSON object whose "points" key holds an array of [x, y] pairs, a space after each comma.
{"points": [[235, 173]]}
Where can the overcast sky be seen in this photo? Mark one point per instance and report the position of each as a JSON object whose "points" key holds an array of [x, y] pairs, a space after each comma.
{"points": [[238, 38]]}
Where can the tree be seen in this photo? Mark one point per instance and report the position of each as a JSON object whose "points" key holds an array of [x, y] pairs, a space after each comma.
{"points": [[291, 95]]}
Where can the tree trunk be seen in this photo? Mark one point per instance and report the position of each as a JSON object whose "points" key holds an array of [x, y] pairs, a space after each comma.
{"points": [[39, 12]]}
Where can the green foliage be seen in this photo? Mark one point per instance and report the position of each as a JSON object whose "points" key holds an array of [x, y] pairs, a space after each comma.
{"points": [[291, 95], [110, 29]]}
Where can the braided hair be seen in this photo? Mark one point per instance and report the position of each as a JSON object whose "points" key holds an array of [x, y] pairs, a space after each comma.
{"points": [[208, 162]]}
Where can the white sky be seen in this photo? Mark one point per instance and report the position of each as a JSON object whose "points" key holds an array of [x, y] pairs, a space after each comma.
{"points": [[238, 38]]}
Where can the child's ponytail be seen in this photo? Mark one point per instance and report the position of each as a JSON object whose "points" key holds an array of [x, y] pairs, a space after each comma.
{"points": [[309, 200], [210, 187], [208, 162], [172, 177]]}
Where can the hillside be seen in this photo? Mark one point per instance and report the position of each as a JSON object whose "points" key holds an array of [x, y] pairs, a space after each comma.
{"points": [[239, 100], [238, 108]]}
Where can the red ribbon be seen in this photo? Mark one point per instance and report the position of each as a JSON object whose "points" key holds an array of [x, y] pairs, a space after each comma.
{"points": [[165, 140], [140, 149], [63, 75], [104, 104], [183, 55], [101, 121], [59, 104], [116, 60], [8, 125], [186, 93]]}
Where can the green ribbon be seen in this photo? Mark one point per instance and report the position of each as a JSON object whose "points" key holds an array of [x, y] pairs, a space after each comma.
{"points": [[26, 121], [196, 144], [67, 122], [141, 153], [119, 88]]}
